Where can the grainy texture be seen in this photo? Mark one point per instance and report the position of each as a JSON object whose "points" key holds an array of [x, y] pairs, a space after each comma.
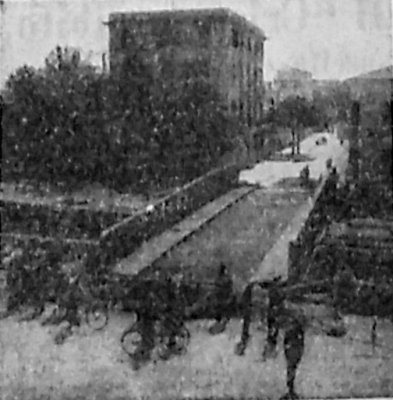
{"points": [[92, 364]]}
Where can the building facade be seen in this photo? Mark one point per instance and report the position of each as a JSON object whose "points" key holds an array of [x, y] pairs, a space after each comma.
{"points": [[292, 82], [227, 49], [374, 91]]}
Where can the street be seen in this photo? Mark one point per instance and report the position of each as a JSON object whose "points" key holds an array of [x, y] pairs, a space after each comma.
{"points": [[252, 237]]}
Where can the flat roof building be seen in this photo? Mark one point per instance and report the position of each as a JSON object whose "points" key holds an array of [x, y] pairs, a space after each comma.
{"points": [[227, 49]]}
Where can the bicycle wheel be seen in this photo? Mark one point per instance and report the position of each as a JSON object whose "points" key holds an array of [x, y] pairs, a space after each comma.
{"points": [[182, 339], [131, 340], [97, 317]]}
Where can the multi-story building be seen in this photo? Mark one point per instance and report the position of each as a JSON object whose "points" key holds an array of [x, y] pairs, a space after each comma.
{"points": [[228, 45], [292, 82], [374, 91]]}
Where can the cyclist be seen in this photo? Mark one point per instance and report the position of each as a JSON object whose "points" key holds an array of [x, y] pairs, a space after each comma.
{"points": [[172, 317], [142, 295]]}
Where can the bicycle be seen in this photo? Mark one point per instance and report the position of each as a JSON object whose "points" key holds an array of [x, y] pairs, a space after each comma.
{"points": [[133, 342], [159, 324]]}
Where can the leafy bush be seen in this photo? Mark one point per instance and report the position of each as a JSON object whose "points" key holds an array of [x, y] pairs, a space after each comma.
{"points": [[71, 124]]}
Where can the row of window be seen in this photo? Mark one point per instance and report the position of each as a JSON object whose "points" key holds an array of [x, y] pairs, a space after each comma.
{"points": [[257, 74], [239, 41], [248, 112]]}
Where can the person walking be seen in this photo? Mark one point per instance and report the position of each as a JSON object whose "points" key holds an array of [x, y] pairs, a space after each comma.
{"points": [[223, 300], [276, 302], [294, 334]]}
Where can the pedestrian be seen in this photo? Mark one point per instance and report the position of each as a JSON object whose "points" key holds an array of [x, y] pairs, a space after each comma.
{"points": [[246, 309], [172, 316], [344, 287], [144, 294], [294, 333], [276, 298], [15, 265], [71, 300], [293, 140], [223, 300]]}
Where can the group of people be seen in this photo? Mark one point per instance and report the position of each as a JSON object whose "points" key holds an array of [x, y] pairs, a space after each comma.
{"points": [[35, 278], [279, 317], [155, 300]]}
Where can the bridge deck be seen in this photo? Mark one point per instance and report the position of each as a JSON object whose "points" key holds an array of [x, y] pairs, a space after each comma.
{"points": [[158, 246]]}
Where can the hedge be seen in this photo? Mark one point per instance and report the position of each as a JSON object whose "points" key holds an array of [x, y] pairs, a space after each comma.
{"points": [[50, 221]]}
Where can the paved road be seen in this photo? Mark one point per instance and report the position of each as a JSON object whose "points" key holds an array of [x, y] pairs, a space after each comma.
{"points": [[267, 173]]}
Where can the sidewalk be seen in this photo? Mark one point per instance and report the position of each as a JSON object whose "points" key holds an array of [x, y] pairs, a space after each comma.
{"points": [[267, 173], [275, 263]]}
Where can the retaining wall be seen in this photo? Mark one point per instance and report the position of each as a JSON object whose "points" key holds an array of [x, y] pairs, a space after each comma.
{"points": [[300, 249]]}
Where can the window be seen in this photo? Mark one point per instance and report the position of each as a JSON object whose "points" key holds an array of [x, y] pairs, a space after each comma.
{"points": [[260, 50], [241, 110], [249, 44], [123, 38], [249, 115], [233, 106], [235, 38]]}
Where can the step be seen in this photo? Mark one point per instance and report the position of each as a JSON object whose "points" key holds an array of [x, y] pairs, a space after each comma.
{"points": [[157, 247]]}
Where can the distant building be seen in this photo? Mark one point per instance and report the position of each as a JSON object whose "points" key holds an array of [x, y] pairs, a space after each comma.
{"points": [[377, 83], [374, 91], [229, 46], [325, 86], [292, 82]]}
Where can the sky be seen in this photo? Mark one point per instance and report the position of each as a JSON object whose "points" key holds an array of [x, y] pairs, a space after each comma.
{"points": [[333, 39]]}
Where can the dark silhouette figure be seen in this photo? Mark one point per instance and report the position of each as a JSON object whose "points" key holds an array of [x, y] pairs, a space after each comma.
{"points": [[173, 315], [275, 308], [276, 297], [145, 307], [246, 309], [71, 298], [293, 135], [223, 300], [294, 333]]}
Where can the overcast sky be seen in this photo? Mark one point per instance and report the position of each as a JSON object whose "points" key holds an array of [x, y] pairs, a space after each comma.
{"points": [[330, 38], [333, 39]]}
